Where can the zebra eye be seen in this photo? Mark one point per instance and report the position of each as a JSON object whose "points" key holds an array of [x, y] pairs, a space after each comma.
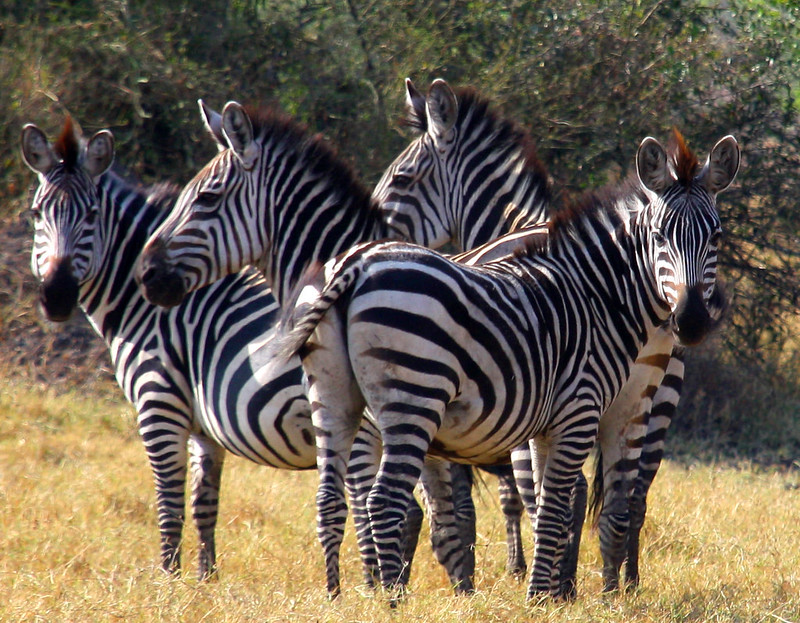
{"points": [[716, 238], [36, 214], [659, 238], [402, 180], [206, 199]]}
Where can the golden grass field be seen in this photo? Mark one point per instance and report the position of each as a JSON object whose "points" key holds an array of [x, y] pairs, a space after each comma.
{"points": [[78, 539]]}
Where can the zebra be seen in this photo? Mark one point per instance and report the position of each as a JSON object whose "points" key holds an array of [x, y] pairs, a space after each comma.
{"points": [[470, 362], [275, 198], [469, 174]]}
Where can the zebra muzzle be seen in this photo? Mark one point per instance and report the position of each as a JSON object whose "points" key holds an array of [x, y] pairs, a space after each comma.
{"points": [[690, 321], [58, 292], [161, 283]]}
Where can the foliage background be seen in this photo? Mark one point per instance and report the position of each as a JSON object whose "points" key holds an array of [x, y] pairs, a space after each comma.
{"points": [[589, 82]]}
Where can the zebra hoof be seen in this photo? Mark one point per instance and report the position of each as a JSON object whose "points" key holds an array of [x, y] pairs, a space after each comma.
{"points": [[464, 587], [334, 593], [537, 598], [568, 591]]}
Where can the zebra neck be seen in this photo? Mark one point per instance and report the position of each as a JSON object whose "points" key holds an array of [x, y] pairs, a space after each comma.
{"points": [[112, 297], [319, 231], [617, 283], [517, 205], [502, 181]]}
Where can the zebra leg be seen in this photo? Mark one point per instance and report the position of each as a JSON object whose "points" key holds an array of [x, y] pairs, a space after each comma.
{"points": [[665, 403], [614, 519], [528, 462], [462, 478], [332, 451], [569, 562], [337, 407], [206, 459], [411, 529], [560, 458], [517, 492], [165, 442], [623, 428], [619, 451], [638, 509], [361, 473], [446, 539], [511, 505], [405, 444]]}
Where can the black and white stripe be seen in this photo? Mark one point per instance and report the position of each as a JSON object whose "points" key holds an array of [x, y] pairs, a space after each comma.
{"points": [[469, 363], [467, 178]]}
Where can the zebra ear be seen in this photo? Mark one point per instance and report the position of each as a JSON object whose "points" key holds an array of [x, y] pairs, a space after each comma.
{"points": [[722, 165], [238, 131], [651, 166], [212, 120], [416, 113], [99, 153], [36, 151], [442, 109]]}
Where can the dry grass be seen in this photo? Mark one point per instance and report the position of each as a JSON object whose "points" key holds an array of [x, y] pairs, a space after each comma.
{"points": [[79, 541]]}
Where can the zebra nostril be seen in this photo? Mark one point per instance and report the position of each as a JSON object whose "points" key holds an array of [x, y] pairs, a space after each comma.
{"points": [[147, 275]]}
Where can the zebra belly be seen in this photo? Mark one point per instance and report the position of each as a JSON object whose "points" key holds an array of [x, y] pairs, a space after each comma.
{"points": [[478, 437], [255, 405]]}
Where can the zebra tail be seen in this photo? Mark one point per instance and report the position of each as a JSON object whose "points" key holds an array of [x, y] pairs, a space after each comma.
{"points": [[596, 494], [310, 301]]}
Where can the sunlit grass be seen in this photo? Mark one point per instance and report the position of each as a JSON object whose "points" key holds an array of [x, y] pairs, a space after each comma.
{"points": [[78, 540]]}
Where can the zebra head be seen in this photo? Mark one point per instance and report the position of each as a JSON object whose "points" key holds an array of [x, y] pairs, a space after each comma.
{"points": [[65, 211], [186, 252], [467, 178], [683, 228]]}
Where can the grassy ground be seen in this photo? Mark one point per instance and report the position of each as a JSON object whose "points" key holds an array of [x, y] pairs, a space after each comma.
{"points": [[78, 539]]}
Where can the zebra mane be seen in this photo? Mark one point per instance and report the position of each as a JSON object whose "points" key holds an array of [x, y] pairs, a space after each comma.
{"points": [[68, 145], [161, 195], [592, 205], [476, 109], [682, 160], [319, 153]]}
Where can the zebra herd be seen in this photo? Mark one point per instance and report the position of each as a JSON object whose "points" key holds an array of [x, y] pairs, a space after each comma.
{"points": [[262, 311]]}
